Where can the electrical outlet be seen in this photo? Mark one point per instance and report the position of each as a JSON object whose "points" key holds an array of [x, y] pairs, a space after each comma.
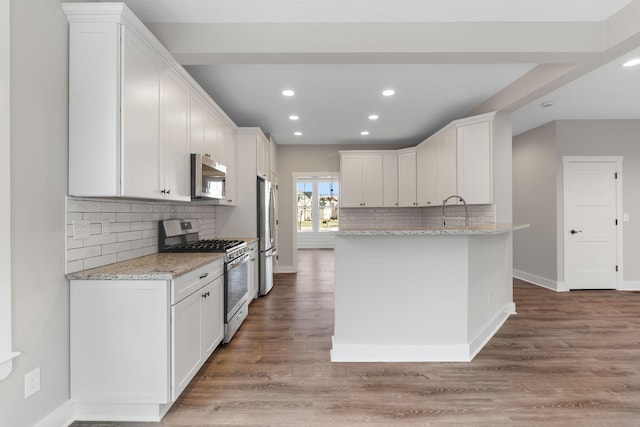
{"points": [[31, 382], [81, 229]]}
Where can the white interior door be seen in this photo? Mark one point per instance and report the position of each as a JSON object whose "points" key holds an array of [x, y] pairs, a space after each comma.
{"points": [[590, 224]]}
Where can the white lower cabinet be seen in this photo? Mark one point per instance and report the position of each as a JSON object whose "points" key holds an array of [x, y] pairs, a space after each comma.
{"points": [[254, 277], [136, 344]]}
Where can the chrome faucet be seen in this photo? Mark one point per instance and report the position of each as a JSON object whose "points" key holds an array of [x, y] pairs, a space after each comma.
{"points": [[466, 211]]}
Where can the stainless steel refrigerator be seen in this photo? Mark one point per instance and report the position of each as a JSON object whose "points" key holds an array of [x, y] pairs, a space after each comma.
{"points": [[266, 234]]}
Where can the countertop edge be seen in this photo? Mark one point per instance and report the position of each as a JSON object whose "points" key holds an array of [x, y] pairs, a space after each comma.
{"points": [[474, 230]]}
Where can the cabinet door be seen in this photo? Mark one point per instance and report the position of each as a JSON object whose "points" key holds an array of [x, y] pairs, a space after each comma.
{"points": [[446, 165], [140, 152], [186, 345], [211, 135], [428, 174], [390, 179], [253, 270], [174, 136], [372, 180], [351, 180], [407, 178], [228, 158], [212, 321], [196, 122], [263, 153], [474, 163]]}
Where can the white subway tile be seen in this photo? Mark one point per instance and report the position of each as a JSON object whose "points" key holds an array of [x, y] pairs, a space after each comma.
{"points": [[141, 207], [149, 233], [100, 240], [115, 247], [129, 235], [116, 207], [75, 266], [135, 244], [99, 216], [79, 205], [100, 261], [149, 250], [143, 225], [129, 217], [134, 253], [118, 227], [74, 244], [81, 253], [73, 216]]}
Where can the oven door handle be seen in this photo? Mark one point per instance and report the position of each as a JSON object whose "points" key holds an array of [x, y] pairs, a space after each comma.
{"points": [[238, 261]]}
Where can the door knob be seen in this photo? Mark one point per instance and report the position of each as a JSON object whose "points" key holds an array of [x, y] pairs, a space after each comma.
{"points": [[575, 231]]}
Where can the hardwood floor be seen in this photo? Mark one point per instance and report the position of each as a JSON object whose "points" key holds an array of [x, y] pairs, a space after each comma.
{"points": [[566, 359]]}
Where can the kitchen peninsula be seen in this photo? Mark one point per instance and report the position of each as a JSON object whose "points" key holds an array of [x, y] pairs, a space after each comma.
{"points": [[420, 295]]}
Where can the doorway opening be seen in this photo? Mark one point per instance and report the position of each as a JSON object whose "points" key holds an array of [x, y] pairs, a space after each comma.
{"points": [[317, 210]]}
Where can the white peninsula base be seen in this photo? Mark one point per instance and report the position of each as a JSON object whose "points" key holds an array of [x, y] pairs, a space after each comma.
{"points": [[426, 295]]}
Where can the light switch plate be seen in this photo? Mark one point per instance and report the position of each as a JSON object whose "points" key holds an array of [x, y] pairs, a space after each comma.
{"points": [[81, 229], [31, 382]]}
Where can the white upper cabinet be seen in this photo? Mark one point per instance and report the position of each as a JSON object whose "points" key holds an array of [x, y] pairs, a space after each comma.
{"points": [[139, 160], [228, 156], [446, 164], [427, 174], [263, 157], [390, 179], [174, 136], [474, 161], [407, 190], [361, 179], [134, 113]]}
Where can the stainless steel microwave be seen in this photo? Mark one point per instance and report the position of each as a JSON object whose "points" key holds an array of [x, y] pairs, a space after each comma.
{"points": [[207, 178]]}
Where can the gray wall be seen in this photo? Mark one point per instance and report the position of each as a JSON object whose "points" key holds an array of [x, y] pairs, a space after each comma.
{"points": [[609, 138], [301, 158], [537, 189], [534, 202], [39, 73]]}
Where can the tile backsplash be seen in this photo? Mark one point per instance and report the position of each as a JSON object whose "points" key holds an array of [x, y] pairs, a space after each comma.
{"points": [[123, 229], [413, 217]]}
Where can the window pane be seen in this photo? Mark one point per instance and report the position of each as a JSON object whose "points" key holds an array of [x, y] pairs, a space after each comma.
{"points": [[328, 200], [305, 206]]}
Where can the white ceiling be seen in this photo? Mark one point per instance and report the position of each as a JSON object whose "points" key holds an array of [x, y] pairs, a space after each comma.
{"points": [[465, 75]]}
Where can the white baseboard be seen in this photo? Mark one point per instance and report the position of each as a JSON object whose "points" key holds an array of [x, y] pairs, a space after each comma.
{"points": [[631, 285], [464, 352], [286, 269], [62, 416], [537, 280], [483, 337]]}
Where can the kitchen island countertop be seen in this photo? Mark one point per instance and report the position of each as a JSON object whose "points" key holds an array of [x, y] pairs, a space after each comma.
{"points": [[453, 230], [159, 266]]}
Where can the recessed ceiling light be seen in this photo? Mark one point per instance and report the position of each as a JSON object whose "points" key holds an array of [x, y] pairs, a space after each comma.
{"points": [[293, 117], [632, 62], [288, 92], [364, 133], [388, 92], [547, 104], [373, 117], [297, 133]]}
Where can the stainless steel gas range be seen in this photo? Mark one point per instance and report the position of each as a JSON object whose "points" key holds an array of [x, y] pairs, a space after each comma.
{"points": [[184, 236]]}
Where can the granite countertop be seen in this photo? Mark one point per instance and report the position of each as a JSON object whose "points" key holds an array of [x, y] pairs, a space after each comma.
{"points": [[160, 266], [453, 230]]}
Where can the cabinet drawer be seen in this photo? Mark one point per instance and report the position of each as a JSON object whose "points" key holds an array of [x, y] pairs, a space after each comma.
{"points": [[185, 285]]}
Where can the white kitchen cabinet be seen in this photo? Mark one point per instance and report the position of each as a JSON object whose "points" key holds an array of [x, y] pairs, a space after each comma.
{"points": [[174, 137], [263, 157], [361, 179], [427, 174], [446, 164], [136, 344], [212, 135], [130, 108], [254, 276], [228, 155], [475, 161], [196, 329], [407, 179], [390, 179]]}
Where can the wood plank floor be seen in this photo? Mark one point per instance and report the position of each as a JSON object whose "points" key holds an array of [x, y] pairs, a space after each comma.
{"points": [[566, 359]]}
